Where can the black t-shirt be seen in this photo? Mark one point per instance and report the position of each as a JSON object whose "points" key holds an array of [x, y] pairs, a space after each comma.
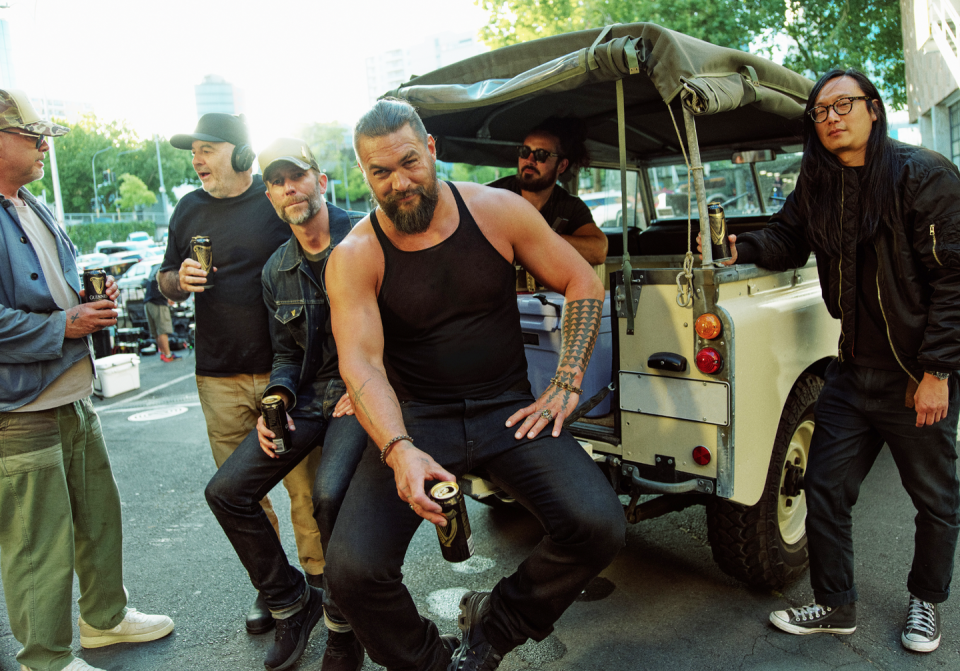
{"points": [[233, 335], [152, 293], [330, 368], [563, 212]]}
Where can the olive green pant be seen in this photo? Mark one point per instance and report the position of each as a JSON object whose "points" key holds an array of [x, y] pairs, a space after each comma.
{"points": [[231, 406], [59, 513]]}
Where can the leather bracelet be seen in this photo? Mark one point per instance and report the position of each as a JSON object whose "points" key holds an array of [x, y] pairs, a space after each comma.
{"points": [[389, 445], [563, 385]]}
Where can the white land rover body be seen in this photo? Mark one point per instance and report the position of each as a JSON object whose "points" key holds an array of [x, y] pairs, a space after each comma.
{"points": [[714, 370]]}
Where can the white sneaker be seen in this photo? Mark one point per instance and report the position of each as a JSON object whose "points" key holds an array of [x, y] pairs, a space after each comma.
{"points": [[76, 665], [136, 628]]}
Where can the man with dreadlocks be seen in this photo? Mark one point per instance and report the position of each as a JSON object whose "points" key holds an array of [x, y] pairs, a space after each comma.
{"points": [[884, 221]]}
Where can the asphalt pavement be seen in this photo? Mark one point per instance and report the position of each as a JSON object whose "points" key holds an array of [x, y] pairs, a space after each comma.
{"points": [[662, 604]]}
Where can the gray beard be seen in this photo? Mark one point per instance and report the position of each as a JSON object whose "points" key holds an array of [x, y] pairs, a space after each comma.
{"points": [[417, 220], [314, 205]]}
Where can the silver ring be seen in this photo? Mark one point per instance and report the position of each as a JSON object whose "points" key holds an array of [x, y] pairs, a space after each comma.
{"points": [[546, 414], [411, 506]]}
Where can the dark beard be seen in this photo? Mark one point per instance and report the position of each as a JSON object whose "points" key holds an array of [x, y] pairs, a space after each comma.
{"points": [[417, 220], [536, 183]]}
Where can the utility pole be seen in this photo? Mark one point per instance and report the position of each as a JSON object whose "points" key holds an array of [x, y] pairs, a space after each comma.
{"points": [[163, 189]]}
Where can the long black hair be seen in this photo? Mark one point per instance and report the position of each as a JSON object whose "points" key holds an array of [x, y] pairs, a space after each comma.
{"points": [[820, 185]]}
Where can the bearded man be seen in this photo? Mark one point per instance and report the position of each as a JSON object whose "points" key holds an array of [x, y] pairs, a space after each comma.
{"points": [[305, 375]]}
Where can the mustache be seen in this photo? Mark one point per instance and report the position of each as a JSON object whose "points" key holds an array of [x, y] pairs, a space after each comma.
{"points": [[397, 196], [294, 201]]}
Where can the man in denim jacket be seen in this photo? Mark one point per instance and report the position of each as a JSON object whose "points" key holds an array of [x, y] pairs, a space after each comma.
{"points": [[59, 504], [306, 375]]}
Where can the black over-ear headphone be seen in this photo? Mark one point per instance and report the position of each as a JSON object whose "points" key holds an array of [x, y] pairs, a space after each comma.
{"points": [[243, 155]]}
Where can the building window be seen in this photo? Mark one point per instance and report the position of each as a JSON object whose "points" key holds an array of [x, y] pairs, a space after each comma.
{"points": [[955, 133]]}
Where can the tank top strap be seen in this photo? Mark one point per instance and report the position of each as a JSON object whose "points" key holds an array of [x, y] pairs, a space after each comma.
{"points": [[381, 236], [462, 210]]}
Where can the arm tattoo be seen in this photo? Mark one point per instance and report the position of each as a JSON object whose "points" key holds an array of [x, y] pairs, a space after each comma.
{"points": [[581, 322]]}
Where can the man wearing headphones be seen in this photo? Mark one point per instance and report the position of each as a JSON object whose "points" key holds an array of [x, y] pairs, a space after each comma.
{"points": [[233, 351]]}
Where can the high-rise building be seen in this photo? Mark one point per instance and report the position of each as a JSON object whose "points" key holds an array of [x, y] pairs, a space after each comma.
{"points": [[215, 94], [8, 79], [387, 70]]}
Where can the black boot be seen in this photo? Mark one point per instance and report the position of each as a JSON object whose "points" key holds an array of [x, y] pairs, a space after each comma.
{"points": [[259, 619], [293, 632], [344, 652], [475, 652]]}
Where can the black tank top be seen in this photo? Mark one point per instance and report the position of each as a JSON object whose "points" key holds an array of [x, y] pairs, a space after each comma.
{"points": [[451, 325]]}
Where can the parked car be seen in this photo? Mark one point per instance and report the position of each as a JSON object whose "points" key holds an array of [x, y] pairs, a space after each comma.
{"points": [[715, 370], [133, 280], [140, 236]]}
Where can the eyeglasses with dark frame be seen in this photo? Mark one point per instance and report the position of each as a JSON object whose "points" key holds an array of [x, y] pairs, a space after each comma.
{"points": [[842, 106], [539, 155], [39, 138]]}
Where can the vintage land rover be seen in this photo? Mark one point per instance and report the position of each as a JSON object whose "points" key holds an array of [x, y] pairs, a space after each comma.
{"points": [[714, 370]]}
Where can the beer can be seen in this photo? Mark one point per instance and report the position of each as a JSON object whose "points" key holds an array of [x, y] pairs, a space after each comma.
{"points": [[201, 251], [456, 542], [95, 285], [718, 232], [275, 418]]}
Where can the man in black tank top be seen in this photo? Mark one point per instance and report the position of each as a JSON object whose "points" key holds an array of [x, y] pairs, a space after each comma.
{"points": [[425, 318]]}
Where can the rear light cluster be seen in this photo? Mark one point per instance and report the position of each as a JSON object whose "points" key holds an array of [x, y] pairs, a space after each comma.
{"points": [[709, 327]]}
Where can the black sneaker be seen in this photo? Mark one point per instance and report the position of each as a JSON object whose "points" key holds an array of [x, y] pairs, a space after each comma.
{"points": [[475, 652], [815, 619], [292, 633], [921, 633], [344, 652]]}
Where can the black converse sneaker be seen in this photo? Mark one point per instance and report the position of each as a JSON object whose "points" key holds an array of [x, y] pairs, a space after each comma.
{"points": [[921, 633], [815, 619]]}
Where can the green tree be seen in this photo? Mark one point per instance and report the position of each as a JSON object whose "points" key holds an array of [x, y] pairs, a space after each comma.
{"points": [[134, 193], [121, 151], [332, 145], [819, 34]]}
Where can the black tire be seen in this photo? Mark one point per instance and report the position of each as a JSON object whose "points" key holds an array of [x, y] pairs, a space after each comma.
{"points": [[765, 545]]}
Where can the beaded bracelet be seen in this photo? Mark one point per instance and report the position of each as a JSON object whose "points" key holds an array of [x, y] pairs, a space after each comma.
{"points": [[389, 445], [563, 385]]}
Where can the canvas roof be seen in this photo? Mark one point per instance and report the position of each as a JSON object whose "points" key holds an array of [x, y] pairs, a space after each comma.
{"points": [[481, 107]]}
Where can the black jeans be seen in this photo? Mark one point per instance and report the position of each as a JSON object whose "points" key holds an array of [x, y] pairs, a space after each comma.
{"points": [[554, 478], [247, 476], [859, 410]]}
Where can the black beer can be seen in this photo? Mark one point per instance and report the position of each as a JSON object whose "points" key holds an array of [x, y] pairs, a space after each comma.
{"points": [[275, 418], [94, 285], [201, 251], [718, 232], [456, 542]]}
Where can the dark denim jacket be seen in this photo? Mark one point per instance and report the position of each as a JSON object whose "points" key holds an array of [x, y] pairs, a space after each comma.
{"points": [[33, 350], [297, 308]]}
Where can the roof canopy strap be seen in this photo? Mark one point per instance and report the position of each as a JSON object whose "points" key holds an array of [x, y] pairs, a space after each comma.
{"points": [[591, 52], [624, 219]]}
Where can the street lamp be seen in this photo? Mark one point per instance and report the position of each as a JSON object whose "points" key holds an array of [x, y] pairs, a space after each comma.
{"points": [[93, 168]]}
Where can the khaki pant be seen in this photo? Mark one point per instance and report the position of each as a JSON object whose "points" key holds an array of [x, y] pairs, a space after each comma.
{"points": [[231, 406]]}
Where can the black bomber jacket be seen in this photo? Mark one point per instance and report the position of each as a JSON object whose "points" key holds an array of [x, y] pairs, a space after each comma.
{"points": [[918, 250]]}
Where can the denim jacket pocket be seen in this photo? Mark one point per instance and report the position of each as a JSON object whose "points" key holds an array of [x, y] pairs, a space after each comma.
{"points": [[292, 315]]}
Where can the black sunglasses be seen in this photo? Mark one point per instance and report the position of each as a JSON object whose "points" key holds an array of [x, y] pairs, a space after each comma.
{"points": [[539, 155], [39, 138]]}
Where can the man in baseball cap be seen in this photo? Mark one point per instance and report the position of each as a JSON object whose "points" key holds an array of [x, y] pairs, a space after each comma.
{"points": [[60, 501], [306, 376], [233, 352]]}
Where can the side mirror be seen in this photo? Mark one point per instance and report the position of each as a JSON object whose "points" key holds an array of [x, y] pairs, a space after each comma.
{"points": [[755, 156]]}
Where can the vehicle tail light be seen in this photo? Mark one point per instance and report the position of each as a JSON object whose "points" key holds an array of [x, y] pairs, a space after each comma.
{"points": [[708, 326], [701, 455], [709, 361]]}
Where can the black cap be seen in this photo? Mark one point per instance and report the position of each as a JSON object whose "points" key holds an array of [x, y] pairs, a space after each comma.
{"points": [[215, 127]]}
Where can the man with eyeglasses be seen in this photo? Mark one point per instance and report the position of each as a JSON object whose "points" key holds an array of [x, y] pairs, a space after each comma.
{"points": [[61, 507], [548, 151], [884, 221]]}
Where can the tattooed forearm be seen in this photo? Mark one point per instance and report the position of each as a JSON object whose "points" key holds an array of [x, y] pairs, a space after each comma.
{"points": [[356, 394], [581, 322]]}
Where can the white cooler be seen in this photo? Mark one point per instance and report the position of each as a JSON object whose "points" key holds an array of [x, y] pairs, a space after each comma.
{"points": [[116, 374]]}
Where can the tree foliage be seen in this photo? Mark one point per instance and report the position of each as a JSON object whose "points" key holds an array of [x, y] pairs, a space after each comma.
{"points": [[332, 145], [124, 152], [817, 34], [134, 193]]}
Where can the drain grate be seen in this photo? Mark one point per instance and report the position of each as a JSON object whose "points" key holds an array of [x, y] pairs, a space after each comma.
{"points": [[158, 413]]}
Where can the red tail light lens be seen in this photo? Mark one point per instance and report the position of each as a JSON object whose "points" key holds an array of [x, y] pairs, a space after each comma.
{"points": [[708, 326], [701, 455], [709, 361]]}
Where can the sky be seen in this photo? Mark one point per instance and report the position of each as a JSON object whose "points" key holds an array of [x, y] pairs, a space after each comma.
{"points": [[297, 61]]}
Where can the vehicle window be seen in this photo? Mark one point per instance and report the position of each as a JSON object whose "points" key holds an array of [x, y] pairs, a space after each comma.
{"points": [[600, 189], [778, 179]]}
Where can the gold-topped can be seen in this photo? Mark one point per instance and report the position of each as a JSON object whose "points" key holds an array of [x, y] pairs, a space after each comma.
{"points": [[201, 251], [275, 418], [456, 541], [719, 242]]}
